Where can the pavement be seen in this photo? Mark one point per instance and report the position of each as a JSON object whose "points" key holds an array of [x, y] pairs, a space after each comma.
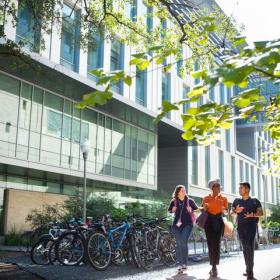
{"points": [[267, 267]]}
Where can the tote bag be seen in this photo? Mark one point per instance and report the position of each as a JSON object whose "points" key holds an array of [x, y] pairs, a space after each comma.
{"points": [[201, 219]]}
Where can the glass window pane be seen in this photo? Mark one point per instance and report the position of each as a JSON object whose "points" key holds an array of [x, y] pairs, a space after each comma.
{"points": [[9, 84]]}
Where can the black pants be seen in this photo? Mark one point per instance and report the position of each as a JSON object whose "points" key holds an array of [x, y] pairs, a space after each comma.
{"points": [[214, 229], [247, 232]]}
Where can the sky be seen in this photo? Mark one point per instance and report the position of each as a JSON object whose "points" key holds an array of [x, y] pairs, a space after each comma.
{"points": [[260, 17]]}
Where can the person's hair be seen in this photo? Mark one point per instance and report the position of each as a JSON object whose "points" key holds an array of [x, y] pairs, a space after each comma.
{"points": [[177, 190], [214, 182], [245, 184]]}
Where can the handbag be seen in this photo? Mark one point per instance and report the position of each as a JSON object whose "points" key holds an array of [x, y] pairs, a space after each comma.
{"points": [[228, 228], [191, 213], [201, 219]]}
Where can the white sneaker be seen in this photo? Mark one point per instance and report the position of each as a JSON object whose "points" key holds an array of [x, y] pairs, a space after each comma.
{"points": [[184, 267], [180, 269]]}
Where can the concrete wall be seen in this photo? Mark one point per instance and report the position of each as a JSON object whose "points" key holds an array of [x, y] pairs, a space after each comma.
{"points": [[172, 168], [19, 203]]}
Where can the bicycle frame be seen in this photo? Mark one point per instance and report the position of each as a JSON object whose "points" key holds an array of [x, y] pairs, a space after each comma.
{"points": [[120, 229]]}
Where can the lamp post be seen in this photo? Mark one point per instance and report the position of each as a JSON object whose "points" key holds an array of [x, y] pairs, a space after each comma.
{"points": [[85, 150]]}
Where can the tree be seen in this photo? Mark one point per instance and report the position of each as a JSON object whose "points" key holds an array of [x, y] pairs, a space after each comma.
{"points": [[192, 25]]}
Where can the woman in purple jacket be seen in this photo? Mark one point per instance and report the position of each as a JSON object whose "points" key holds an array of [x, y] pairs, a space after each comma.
{"points": [[182, 206]]}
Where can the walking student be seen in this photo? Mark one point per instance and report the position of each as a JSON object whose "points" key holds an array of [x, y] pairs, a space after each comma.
{"points": [[248, 211], [215, 204], [182, 206]]}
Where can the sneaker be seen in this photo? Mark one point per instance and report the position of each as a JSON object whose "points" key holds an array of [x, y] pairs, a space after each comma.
{"points": [[180, 269], [184, 267], [213, 272], [245, 274]]}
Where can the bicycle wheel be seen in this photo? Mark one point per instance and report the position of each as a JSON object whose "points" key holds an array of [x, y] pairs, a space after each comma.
{"points": [[39, 251], [133, 251], [51, 254], [167, 250], [145, 257], [70, 249], [99, 251]]}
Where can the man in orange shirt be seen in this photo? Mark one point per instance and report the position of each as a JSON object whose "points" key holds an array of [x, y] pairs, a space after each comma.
{"points": [[215, 204]]}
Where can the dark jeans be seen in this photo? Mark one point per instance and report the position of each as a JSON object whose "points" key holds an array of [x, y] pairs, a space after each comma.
{"points": [[247, 232], [182, 236], [214, 229]]}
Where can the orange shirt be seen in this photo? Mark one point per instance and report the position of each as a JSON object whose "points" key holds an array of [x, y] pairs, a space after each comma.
{"points": [[215, 204]]}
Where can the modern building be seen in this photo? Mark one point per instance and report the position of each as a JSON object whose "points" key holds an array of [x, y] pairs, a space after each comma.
{"points": [[131, 158]]}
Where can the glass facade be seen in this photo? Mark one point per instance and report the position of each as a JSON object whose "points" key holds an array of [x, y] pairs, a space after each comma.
{"points": [[233, 176], [227, 132], [207, 165], [69, 51], [193, 165], [166, 89], [222, 93], [95, 53], [116, 62], [141, 87], [252, 182], [241, 171], [186, 106], [221, 169], [40, 126], [212, 94], [28, 30]]}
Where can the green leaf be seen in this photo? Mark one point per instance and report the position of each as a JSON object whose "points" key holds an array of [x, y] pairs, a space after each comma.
{"points": [[242, 102], [193, 111], [240, 40], [155, 48], [225, 125], [104, 80], [167, 68], [252, 119], [199, 74], [139, 55], [97, 72], [128, 80], [197, 92], [189, 124], [188, 135]]}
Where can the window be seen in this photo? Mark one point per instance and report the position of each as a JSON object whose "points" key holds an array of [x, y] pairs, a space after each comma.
{"points": [[165, 88], [133, 11], [227, 140], [193, 165], [95, 52], [149, 21], [117, 59], [212, 94], [241, 171], [207, 165], [221, 168], [69, 51], [233, 176], [163, 28], [28, 29], [186, 89], [222, 93], [196, 68], [228, 95], [141, 87], [247, 172], [54, 123], [179, 63], [259, 185], [252, 182], [272, 190]]}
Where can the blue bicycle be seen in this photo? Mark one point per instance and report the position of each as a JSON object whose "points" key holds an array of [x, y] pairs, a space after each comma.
{"points": [[113, 246]]}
